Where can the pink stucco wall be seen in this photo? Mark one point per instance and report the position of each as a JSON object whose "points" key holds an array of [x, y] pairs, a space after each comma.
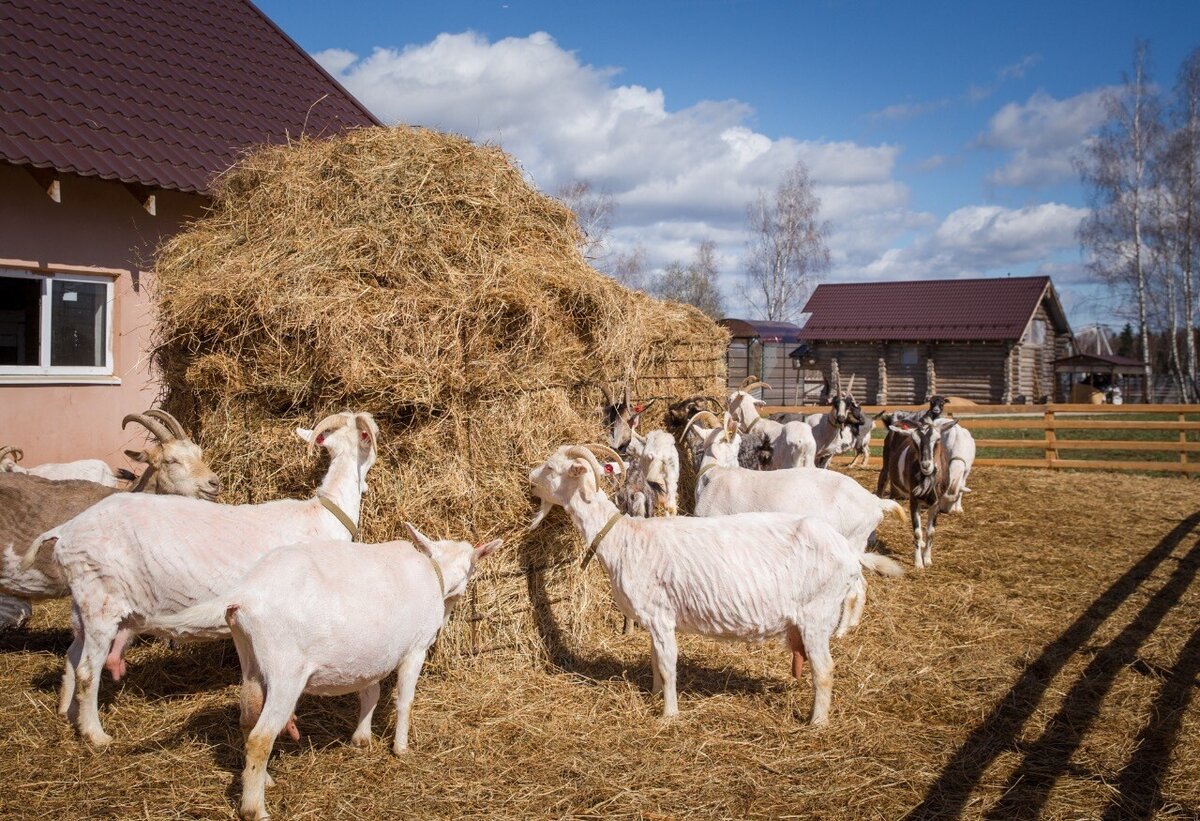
{"points": [[101, 224]]}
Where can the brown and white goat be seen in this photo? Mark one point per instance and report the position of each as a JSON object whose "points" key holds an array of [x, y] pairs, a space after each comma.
{"points": [[904, 419], [919, 466]]}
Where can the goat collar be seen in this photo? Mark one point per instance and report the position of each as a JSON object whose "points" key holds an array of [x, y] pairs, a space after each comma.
{"points": [[595, 545], [143, 480], [706, 469], [954, 459], [750, 428], [437, 568], [346, 521]]}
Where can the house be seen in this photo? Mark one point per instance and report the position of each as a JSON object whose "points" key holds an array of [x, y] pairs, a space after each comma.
{"points": [[762, 348], [988, 340], [115, 118]]}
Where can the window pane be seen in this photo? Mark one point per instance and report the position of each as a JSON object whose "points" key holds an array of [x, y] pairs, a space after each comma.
{"points": [[20, 320], [77, 324]]}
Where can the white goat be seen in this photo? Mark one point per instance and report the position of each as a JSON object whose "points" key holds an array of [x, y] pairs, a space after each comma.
{"points": [[960, 447], [330, 619], [89, 470], [792, 443], [750, 577], [658, 461], [133, 556], [723, 488]]}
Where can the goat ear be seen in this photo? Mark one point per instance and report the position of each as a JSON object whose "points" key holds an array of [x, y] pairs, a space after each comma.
{"points": [[613, 468], [758, 403], [898, 429], [305, 435], [138, 456], [418, 537], [488, 549]]}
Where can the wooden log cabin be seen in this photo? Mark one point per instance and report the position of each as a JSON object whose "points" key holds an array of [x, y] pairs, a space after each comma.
{"points": [[987, 340]]}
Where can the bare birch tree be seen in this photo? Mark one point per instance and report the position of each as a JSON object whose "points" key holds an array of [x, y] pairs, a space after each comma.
{"points": [[1181, 177], [1116, 174], [695, 284], [787, 247]]}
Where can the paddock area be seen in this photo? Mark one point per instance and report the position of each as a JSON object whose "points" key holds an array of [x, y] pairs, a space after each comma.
{"points": [[1048, 664]]}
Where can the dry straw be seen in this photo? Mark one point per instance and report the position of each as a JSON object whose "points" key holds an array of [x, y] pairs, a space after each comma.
{"points": [[420, 277]]}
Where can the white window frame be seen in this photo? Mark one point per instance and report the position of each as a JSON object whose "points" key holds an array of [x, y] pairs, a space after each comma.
{"points": [[44, 371]]}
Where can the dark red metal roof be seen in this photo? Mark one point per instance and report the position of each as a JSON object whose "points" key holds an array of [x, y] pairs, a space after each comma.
{"points": [[165, 93], [952, 310], [762, 329]]}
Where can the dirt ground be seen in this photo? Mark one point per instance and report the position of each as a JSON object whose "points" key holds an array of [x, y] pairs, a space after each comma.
{"points": [[1048, 665]]}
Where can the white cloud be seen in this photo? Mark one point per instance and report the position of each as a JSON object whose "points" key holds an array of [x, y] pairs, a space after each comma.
{"points": [[565, 120], [982, 239], [1044, 135]]}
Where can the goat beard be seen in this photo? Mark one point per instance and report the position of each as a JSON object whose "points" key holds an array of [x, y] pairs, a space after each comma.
{"points": [[926, 485]]}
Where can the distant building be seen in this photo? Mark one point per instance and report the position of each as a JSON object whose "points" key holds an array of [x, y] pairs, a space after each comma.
{"points": [[988, 340], [116, 118]]}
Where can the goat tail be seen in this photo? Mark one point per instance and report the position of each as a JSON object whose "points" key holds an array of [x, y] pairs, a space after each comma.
{"points": [[46, 541], [895, 508], [205, 620], [882, 565]]}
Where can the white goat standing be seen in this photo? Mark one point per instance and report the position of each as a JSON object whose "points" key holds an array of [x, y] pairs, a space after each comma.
{"points": [[792, 443], [750, 577], [723, 488], [960, 447], [330, 619], [133, 556]]}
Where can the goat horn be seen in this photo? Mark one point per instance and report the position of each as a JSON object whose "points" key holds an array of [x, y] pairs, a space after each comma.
{"points": [[850, 388], [584, 452], [746, 381], [751, 387], [153, 425], [608, 397], [604, 450], [168, 420], [700, 415], [331, 422], [17, 453]]}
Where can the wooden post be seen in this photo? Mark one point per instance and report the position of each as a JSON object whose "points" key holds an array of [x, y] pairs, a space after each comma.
{"points": [[881, 396], [1051, 439], [930, 377], [1007, 395], [1183, 460]]}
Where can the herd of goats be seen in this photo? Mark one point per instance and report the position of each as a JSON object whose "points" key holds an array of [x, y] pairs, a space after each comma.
{"points": [[776, 550]]}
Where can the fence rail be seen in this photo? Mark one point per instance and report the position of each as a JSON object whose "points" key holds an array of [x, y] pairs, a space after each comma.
{"points": [[1131, 443]]}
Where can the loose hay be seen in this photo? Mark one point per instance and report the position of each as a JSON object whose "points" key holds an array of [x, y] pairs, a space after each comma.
{"points": [[419, 277], [941, 696]]}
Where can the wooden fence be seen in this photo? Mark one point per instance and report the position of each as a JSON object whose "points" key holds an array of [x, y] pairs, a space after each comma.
{"points": [[1170, 432]]}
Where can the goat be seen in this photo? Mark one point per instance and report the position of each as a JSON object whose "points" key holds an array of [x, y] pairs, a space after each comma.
{"points": [[904, 419], [960, 450], [88, 470], [654, 452], [756, 452], [791, 443], [329, 618], [920, 467], [723, 488], [750, 577], [132, 556], [860, 434], [30, 505]]}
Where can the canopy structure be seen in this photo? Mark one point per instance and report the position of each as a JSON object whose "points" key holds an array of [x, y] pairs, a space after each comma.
{"points": [[762, 330], [1098, 363]]}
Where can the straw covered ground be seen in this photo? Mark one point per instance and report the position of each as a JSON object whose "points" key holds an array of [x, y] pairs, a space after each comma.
{"points": [[417, 276], [1048, 664]]}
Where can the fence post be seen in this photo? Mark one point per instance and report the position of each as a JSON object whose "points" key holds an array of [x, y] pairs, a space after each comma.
{"points": [[1183, 459], [1051, 439]]}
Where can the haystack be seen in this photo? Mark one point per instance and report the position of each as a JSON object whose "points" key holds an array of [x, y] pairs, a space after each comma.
{"points": [[420, 277]]}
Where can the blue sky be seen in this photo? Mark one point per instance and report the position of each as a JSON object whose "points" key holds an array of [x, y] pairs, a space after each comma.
{"points": [[939, 135]]}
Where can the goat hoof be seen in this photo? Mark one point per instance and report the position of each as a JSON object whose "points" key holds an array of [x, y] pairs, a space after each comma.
{"points": [[99, 740], [360, 740]]}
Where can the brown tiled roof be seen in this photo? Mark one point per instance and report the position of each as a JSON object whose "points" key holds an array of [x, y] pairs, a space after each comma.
{"points": [[165, 93], [929, 310]]}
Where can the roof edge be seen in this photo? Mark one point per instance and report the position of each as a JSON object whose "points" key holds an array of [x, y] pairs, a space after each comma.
{"points": [[357, 103]]}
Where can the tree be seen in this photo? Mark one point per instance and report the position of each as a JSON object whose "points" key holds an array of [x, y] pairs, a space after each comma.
{"points": [[787, 248], [1116, 173], [695, 284], [629, 269], [1180, 172], [594, 211], [1126, 346]]}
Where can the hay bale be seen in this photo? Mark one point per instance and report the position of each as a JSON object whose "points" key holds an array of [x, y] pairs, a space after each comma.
{"points": [[417, 276]]}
